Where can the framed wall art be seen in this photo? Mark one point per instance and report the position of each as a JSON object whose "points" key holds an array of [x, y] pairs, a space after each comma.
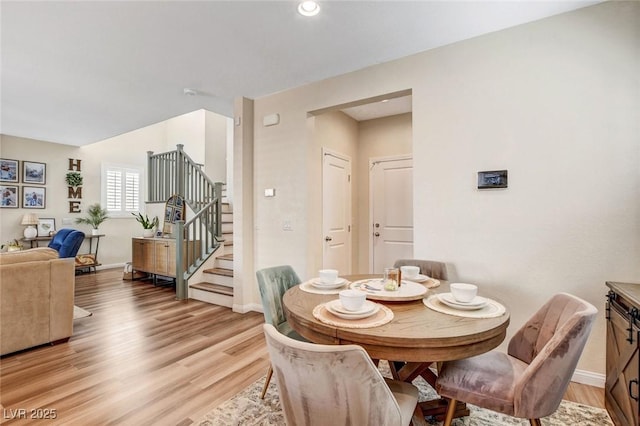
{"points": [[33, 197], [9, 196], [492, 179], [46, 226], [34, 173], [8, 170]]}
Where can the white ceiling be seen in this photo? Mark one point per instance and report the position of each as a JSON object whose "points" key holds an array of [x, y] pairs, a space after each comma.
{"points": [[78, 72]]}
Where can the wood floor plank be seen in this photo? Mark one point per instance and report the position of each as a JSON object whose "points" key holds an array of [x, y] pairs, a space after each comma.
{"points": [[144, 358]]}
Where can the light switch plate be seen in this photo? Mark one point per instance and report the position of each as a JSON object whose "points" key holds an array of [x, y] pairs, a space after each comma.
{"points": [[270, 192]]}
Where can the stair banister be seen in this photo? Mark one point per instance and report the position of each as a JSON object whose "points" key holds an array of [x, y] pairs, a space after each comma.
{"points": [[175, 173]]}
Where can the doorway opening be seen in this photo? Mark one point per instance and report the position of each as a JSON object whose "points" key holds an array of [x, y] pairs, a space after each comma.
{"points": [[365, 131]]}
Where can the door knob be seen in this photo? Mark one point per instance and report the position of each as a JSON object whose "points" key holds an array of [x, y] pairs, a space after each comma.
{"points": [[328, 238], [377, 225], [377, 234]]}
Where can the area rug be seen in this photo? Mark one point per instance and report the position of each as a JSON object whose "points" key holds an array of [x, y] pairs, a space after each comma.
{"points": [[247, 409], [78, 313]]}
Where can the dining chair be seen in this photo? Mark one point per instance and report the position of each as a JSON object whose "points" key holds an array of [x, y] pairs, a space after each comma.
{"points": [[430, 268], [530, 379], [67, 242], [336, 384], [273, 283]]}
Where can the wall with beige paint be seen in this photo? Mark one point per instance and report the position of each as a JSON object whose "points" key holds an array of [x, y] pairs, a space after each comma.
{"points": [[555, 102]]}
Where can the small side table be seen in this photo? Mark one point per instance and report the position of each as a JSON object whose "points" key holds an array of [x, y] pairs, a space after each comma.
{"points": [[89, 260]]}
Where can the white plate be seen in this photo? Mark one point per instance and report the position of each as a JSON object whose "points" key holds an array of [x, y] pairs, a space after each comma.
{"points": [[418, 278], [477, 303], [335, 304], [374, 289], [319, 284]]}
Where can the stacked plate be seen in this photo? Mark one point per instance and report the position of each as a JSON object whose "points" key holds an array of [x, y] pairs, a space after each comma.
{"points": [[317, 283], [368, 309], [448, 299], [418, 278]]}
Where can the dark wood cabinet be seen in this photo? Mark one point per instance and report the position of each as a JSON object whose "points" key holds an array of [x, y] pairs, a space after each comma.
{"points": [[622, 387]]}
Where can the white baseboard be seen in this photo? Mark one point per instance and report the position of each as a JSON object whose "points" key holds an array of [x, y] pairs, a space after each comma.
{"points": [[588, 378], [243, 309], [113, 265]]}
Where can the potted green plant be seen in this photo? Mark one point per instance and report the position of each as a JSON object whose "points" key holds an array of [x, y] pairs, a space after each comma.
{"points": [[96, 215], [148, 225]]}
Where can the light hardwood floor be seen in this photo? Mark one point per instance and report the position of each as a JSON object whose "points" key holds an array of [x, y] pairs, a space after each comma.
{"points": [[144, 358]]}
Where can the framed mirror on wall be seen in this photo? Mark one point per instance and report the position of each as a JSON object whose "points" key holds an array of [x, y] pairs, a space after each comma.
{"points": [[174, 211]]}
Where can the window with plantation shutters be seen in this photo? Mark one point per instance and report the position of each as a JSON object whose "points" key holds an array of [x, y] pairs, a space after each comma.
{"points": [[121, 189]]}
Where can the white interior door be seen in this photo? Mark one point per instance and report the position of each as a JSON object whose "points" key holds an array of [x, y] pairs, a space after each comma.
{"points": [[391, 184], [336, 212]]}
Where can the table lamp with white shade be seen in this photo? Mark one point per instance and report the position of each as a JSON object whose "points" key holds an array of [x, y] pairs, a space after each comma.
{"points": [[30, 219]]}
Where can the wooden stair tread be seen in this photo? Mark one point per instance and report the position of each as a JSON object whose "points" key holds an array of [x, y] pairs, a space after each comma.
{"points": [[228, 256], [213, 288], [219, 271]]}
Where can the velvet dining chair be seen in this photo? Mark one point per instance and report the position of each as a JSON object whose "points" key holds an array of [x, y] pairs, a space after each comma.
{"points": [[430, 268], [273, 283], [67, 242], [336, 384], [529, 380]]}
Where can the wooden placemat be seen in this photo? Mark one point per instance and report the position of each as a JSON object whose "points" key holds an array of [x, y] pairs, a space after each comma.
{"points": [[310, 288], [492, 310], [383, 316]]}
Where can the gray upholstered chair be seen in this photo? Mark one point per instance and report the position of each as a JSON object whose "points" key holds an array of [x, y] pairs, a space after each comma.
{"points": [[336, 384], [273, 283], [430, 268], [529, 381]]}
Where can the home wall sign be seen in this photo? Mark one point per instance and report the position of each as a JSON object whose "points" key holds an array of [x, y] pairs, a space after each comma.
{"points": [[74, 180]]}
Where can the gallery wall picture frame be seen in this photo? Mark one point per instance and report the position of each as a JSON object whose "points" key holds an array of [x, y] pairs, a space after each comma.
{"points": [[34, 172], [34, 197], [492, 179], [9, 170], [9, 196], [46, 226]]}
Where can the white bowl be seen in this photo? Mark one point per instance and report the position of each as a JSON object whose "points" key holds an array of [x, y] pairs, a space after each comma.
{"points": [[463, 292], [409, 271], [328, 276], [352, 300]]}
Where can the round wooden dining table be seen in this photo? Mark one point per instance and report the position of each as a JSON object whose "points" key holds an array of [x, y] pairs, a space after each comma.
{"points": [[417, 335]]}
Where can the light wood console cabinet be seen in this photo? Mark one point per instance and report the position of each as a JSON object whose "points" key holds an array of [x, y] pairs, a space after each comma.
{"points": [[622, 386], [157, 255]]}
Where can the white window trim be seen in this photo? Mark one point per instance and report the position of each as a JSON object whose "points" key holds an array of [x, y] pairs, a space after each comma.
{"points": [[141, 191]]}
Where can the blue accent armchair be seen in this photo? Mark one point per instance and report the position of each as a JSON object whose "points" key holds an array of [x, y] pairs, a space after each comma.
{"points": [[67, 242]]}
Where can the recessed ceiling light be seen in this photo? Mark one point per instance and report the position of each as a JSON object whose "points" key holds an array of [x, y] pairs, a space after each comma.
{"points": [[190, 92], [308, 8]]}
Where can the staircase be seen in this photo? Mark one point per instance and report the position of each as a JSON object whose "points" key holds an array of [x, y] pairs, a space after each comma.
{"points": [[198, 238], [217, 284]]}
